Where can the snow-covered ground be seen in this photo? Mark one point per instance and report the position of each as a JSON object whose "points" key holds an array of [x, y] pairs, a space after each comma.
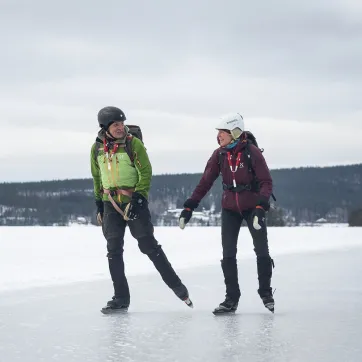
{"points": [[316, 276], [36, 256]]}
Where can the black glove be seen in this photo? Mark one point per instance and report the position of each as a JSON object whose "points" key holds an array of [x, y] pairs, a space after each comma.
{"points": [[258, 214], [100, 211], [185, 216], [258, 217], [133, 209], [264, 203]]}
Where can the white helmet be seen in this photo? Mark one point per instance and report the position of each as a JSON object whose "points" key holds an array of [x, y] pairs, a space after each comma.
{"points": [[232, 122]]}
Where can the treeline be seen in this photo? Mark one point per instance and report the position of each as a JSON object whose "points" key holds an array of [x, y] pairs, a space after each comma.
{"points": [[303, 195]]}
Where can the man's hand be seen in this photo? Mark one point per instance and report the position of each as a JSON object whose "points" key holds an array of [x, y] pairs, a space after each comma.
{"points": [[133, 209], [100, 210]]}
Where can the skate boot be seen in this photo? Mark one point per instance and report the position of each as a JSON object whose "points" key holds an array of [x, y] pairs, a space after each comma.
{"points": [[115, 305], [227, 306], [267, 298], [182, 293]]}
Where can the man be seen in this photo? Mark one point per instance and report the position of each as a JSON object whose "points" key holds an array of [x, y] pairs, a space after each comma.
{"points": [[246, 197], [122, 175]]}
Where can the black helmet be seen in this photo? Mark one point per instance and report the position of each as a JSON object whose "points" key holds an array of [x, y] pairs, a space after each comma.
{"points": [[109, 115]]}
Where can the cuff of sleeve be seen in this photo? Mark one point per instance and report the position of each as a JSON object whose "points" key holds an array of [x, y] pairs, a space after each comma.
{"points": [[191, 204]]}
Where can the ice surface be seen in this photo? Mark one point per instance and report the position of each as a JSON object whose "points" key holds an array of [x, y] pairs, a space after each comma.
{"points": [[318, 297]]}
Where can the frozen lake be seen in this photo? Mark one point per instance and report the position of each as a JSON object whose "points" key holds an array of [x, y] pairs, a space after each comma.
{"points": [[317, 318]]}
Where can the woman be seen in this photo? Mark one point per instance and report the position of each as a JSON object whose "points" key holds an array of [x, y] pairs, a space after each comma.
{"points": [[247, 188]]}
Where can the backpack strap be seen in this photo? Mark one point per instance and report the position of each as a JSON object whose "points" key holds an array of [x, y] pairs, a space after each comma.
{"points": [[99, 143], [250, 166], [128, 147], [220, 161], [248, 159], [247, 152]]}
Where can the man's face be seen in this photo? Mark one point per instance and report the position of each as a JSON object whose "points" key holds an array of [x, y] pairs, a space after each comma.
{"points": [[116, 129], [224, 138]]}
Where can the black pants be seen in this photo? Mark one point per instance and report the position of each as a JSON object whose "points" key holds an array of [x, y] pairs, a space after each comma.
{"points": [[114, 227], [230, 226]]}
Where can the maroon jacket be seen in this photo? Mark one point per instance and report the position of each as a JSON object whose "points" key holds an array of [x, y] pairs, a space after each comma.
{"points": [[236, 201]]}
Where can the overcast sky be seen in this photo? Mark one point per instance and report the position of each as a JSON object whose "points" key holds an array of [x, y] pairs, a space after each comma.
{"points": [[293, 69]]}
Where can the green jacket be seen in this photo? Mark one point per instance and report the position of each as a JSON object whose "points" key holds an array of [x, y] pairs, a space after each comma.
{"points": [[119, 172]]}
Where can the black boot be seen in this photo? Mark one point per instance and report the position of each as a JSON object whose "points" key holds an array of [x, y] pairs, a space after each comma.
{"points": [[182, 293], [227, 306], [267, 298], [265, 266], [230, 270], [116, 305]]}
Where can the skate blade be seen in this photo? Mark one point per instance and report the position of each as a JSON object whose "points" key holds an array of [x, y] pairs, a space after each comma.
{"points": [[270, 307], [114, 311], [189, 303]]}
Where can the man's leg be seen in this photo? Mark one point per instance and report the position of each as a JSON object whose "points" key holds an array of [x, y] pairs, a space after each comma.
{"points": [[142, 229], [113, 227], [230, 227], [264, 262]]}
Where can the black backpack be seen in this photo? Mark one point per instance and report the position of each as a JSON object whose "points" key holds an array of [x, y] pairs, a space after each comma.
{"points": [[133, 131], [250, 140]]}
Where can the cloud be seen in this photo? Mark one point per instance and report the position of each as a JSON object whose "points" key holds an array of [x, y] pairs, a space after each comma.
{"points": [[184, 147], [292, 70]]}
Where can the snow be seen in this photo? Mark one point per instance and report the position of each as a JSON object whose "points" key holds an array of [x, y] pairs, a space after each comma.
{"points": [[38, 256]]}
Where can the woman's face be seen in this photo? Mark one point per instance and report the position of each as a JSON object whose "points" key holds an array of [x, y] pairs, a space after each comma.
{"points": [[224, 138]]}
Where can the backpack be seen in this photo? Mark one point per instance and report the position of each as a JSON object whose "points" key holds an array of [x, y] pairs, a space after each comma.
{"points": [[250, 140], [133, 131]]}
